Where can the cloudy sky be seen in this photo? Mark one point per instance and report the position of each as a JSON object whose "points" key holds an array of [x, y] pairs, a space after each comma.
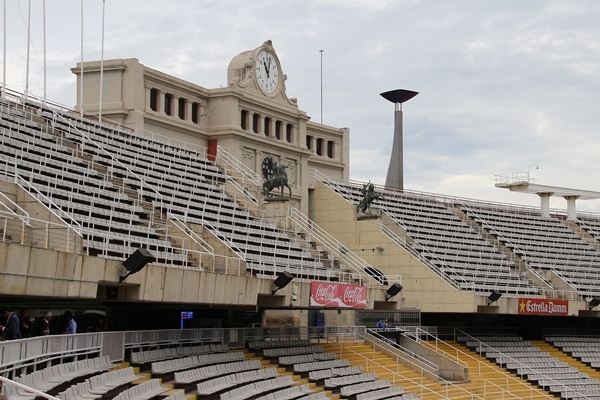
{"points": [[504, 85]]}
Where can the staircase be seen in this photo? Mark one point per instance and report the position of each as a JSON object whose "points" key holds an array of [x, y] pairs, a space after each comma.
{"points": [[486, 379], [386, 367]]}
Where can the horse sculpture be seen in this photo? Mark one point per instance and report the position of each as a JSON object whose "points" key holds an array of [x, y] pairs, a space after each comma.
{"points": [[369, 196], [279, 179]]}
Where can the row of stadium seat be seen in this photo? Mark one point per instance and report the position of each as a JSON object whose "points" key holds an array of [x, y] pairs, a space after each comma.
{"points": [[74, 162]]}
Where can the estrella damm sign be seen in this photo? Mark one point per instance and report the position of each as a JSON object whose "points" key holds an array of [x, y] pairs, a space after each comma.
{"points": [[539, 306]]}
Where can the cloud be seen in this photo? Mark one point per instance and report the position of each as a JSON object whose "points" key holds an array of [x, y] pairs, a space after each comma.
{"points": [[502, 84]]}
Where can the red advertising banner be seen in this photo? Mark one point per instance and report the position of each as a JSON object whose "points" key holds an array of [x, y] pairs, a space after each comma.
{"points": [[330, 294], [543, 306]]}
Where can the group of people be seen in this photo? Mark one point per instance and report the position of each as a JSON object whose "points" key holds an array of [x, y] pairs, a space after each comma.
{"points": [[23, 326]]}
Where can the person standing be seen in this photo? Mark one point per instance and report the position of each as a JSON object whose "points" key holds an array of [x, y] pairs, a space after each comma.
{"points": [[71, 328], [26, 325], [11, 330], [44, 325]]}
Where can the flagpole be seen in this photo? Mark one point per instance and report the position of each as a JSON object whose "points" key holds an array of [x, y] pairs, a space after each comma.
{"points": [[101, 66], [81, 68], [45, 69], [28, 46], [321, 51], [4, 55]]}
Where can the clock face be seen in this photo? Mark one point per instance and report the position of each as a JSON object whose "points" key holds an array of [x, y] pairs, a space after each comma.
{"points": [[267, 72]]}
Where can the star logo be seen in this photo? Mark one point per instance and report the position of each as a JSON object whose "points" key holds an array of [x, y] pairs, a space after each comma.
{"points": [[522, 305]]}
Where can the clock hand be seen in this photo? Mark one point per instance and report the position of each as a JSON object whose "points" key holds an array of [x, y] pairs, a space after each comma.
{"points": [[266, 68]]}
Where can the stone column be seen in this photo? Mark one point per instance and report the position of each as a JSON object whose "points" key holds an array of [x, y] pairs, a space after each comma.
{"points": [[571, 208], [188, 110], [148, 95], [545, 204], [160, 101]]}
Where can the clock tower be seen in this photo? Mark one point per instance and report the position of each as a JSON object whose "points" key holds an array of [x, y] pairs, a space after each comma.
{"points": [[259, 72]]}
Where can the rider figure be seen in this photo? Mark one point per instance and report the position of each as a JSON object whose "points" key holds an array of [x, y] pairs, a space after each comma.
{"points": [[279, 179]]}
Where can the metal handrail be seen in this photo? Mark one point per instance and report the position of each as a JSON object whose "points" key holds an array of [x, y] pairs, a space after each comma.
{"points": [[242, 190], [24, 218], [203, 244], [39, 393], [367, 361], [381, 340], [482, 345], [421, 256], [53, 208], [237, 165], [357, 264]]}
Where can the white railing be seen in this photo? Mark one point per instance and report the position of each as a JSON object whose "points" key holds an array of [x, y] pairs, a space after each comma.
{"points": [[421, 256], [197, 239], [482, 348], [34, 392], [368, 359], [337, 186], [21, 214], [224, 155], [513, 178], [113, 159], [40, 234], [338, 250], [379, 341], [247, 195]]}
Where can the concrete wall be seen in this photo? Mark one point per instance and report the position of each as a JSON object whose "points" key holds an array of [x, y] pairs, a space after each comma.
{"points": [[422, 288]]}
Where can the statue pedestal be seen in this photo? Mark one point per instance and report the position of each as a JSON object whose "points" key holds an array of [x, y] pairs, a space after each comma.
{"points": [[277, 208], [276, 198], [374, 214]]}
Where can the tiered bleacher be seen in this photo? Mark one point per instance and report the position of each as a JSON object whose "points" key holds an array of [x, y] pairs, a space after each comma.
{"points": [[51, 377], [458, 252], [584, 348], [118, 188], [324, 369], [543, 243], [540, 368]]}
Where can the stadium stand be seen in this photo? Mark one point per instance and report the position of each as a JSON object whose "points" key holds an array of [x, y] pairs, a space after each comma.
{"points": [[119, 190], [545, 244], [111, 190], [537, 366], [449, 245], [585, 349]]}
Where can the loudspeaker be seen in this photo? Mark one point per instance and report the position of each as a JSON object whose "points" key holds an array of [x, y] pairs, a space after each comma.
{"points": [[138, 260]]}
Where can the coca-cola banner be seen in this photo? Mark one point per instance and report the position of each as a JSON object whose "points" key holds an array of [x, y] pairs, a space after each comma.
{"points": [[338, 295]]}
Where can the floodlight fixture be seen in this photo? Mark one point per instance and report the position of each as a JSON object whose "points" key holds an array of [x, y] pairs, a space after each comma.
{"points": [[494, 296], [393, 290], [594, 302], [282, 280], [136, 262]]}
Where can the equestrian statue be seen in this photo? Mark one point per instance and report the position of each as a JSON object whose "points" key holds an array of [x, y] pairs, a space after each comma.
{"points": [[278, 180], [369, 195]]}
